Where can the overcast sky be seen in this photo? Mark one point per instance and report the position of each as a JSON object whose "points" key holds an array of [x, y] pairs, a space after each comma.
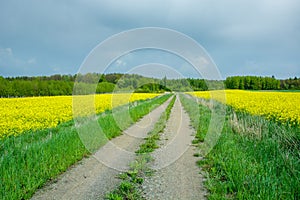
{"points": [[257, 37]]}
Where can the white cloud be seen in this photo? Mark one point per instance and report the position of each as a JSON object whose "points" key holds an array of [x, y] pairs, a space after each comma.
{"points": [[5, 52], [10, 64], [120, 63], [7, 57], [31, 61]]}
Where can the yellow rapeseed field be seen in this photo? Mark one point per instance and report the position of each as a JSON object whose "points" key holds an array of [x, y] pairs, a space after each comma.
{"points": [[22, 114], [281, 106]]}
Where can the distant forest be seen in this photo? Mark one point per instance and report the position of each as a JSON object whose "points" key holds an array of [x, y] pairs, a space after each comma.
{"points": [[105, 83], [261, 83]]}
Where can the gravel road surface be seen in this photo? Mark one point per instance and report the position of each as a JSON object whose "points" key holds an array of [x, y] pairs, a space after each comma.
{"points": [[177, 175], [93, 177]]}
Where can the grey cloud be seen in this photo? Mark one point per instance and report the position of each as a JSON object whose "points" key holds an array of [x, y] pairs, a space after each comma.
{"points": [[61, 34]]}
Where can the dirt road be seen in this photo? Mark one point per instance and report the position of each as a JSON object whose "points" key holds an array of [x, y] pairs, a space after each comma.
{"points": [[176, 176], [93, 177]]}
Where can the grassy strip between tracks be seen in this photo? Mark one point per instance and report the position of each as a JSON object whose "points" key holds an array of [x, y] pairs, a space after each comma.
{"points": [[253, 159], [28, 161], [130, 186]]}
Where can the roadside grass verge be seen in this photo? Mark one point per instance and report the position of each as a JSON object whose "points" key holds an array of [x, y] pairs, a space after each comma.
{"points": [[28, 161], [253, 159], [130, 186]]}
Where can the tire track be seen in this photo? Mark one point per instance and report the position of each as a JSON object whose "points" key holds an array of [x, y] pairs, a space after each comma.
{"points": [[92, 179], [177, 175]]}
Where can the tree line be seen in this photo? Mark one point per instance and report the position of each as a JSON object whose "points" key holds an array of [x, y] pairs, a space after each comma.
{"points": [[106, 83], [33, 86], [261, 83]]}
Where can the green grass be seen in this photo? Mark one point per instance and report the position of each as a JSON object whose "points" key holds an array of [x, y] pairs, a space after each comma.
{"points": [[253, 159], [151, 141], [28, 161], [129, 187], [199, 115], [133, 178]]}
